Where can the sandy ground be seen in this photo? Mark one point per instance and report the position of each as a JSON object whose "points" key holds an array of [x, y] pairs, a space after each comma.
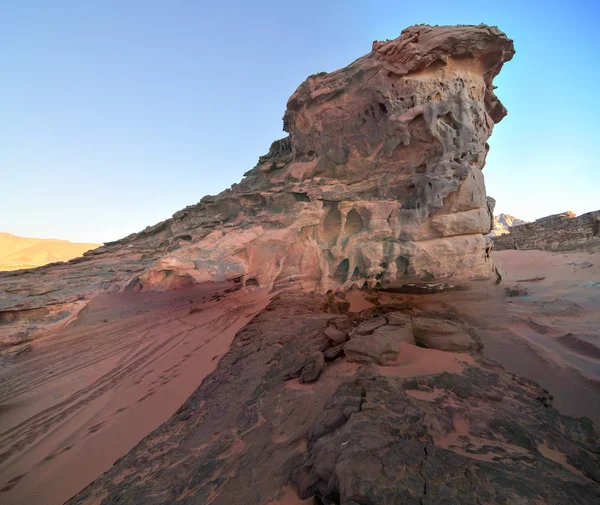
{"points": [[526, 334], [90, 392]]}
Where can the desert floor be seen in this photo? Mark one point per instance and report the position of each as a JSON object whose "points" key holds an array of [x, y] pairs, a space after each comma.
{"points": [[90, 392]]}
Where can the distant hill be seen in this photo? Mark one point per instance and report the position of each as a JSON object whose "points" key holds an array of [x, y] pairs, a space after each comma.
{"points": [[22, 252], [502, 223]]}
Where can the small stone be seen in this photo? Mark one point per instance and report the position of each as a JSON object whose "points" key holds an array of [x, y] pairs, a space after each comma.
{"points": [[335, 335], [516, 291]]}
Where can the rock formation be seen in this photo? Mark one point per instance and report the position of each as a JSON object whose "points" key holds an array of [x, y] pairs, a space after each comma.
{"points": [[398, 431], [559, 232], [503, 223], [379, 179]]}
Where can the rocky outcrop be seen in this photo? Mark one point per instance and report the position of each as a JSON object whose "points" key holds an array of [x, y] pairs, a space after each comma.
{"points": [[559, 232], [380, 433], [503, 223], [379, 179]]}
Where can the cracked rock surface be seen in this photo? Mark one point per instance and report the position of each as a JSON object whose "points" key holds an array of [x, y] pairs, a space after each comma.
{"points": [[467, 432]]}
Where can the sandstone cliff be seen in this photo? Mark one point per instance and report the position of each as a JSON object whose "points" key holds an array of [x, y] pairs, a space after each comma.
{"points": [[559, 232], [379, 179], [503, 223]]}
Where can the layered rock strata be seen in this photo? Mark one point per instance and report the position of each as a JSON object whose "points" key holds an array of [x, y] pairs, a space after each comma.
{"points": [[379, 179], [559, 232]]}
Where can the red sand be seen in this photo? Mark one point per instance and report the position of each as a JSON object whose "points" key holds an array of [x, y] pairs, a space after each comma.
{"points": [[91, 391], [357, 301], [414, 361]]}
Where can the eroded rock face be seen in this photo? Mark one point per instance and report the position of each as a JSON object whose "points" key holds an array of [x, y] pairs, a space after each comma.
{"points": [[503, 223], [379, 179]]}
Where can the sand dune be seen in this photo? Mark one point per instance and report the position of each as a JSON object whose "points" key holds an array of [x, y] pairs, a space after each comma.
{"points": [[88, 393], [22, 252]]}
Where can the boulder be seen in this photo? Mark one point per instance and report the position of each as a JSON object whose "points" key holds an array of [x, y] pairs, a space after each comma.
{"points": [[397, 333], [444, 334], [380, 349]]}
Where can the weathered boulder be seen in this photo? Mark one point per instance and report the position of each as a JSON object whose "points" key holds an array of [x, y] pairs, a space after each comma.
{"points": [[444, 334], [398, 333], [379, 349]]}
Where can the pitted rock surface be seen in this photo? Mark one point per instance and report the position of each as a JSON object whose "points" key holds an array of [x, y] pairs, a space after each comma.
{"points": [[380, 179]]}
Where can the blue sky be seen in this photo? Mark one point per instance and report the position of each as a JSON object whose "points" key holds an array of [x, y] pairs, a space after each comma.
{"points": [[115, 114]]}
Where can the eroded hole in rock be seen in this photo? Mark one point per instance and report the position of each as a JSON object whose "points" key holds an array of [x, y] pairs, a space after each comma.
{"points": [[332, 224], [341, 272], [186, 238], [251, 282], [401, 265], [354, 223], [11, 316], [301, 197], [356, 274], [383, 108]]}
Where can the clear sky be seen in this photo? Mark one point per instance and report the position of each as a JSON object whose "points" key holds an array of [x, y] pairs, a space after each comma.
{"points": [[114, 114]]}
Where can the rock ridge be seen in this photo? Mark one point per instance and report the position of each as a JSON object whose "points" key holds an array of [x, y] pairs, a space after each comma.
{"points": [[379, 180], [559, 232]]}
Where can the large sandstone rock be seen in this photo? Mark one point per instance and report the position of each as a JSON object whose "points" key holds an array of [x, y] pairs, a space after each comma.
{"points": [[379, 179], [444, 334]]}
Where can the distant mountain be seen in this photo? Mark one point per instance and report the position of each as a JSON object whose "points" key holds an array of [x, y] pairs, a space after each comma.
{"points": [[502, 223], [22, 252]]}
